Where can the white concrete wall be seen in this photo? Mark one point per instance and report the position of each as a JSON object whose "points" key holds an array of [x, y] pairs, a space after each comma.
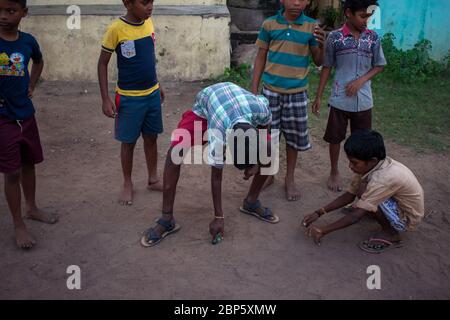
{"points": [[192, 44], [188, 47]]}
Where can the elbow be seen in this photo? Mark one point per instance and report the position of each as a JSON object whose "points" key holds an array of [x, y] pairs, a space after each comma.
{"points": [[39, 64]]}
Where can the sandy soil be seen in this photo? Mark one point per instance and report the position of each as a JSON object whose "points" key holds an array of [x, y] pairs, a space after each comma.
{"points": [[80, 179]]}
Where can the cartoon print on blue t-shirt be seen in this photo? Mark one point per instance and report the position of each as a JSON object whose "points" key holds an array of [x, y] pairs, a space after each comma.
{"points": [[4, 59], [18, 63], [13, 65]]}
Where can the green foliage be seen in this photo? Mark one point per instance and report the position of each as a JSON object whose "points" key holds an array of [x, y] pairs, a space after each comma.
{"points": [[239, 75], [447, 62], [312, 10], [411, 97], [330, 17], [413, 65]]}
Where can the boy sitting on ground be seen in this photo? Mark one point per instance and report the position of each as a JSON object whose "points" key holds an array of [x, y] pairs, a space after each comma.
{"points": [[386, 190]]}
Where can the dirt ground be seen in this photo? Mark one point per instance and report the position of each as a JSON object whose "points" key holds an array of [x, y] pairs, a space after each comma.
{"points": [[80, 180]]}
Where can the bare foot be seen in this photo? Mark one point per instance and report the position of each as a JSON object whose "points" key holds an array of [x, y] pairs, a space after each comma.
{"points": [[155, 186], [270, 180], [126, 197], [23, 239], [42, 216], [334, 183], [292, 194]]}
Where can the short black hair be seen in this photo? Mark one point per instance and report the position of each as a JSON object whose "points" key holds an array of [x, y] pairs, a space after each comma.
{"points": [[23, 3], [250, 149], [365, 145], [357, 5]]}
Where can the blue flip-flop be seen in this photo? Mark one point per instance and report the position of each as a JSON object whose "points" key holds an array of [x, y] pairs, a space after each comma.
{"points": [[267, 216], [378, 245], [151, 238]]}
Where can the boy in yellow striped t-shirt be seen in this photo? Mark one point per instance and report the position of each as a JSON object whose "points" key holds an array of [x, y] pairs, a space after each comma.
{"points": [[285, 43], [137, 108]]}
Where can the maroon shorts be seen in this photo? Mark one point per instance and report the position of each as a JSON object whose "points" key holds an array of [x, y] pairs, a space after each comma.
{"points": [[338, 122], [187, 122], [19, 144]]}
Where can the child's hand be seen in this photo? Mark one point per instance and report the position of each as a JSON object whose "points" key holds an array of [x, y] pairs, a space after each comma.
{"points": [[320, 36], [353, 87], [316, 107], [216, 227], [310, 218], [30, 92], [163, 95], [109, 109], [250, 172], [315, 233]]}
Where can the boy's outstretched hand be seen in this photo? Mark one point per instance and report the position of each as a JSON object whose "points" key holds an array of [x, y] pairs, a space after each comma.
{"points": [[315, 233], [353, 87], [163, 94], [109, 109], [216, 227], [30, 92], [250, 172], [310, 218]]}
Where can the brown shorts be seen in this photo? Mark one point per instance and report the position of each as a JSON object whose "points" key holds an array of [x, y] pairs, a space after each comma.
{"points": [[338, 121]]}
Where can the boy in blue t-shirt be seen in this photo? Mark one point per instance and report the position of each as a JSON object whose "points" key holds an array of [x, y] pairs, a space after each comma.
{"points": [[20, 146], [137, 108]]}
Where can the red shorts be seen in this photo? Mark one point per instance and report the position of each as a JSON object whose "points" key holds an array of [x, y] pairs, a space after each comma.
{"points": [[19, 144], [187, 122]]}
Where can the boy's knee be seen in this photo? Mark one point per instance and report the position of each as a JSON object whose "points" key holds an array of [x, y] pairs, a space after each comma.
{"points": [[129, 146], [169, 156], [12, 178], [150, 138], [174, 156]]}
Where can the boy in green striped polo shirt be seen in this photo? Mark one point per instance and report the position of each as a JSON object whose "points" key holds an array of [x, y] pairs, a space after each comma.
{"points": [[285, 43]]}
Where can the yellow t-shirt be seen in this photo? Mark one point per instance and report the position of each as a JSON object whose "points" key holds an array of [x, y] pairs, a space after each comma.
{"points": [[134, 45]]}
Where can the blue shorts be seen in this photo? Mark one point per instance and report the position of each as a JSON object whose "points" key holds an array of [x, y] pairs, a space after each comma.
{"points": [[136, 115], [390, 210]]}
